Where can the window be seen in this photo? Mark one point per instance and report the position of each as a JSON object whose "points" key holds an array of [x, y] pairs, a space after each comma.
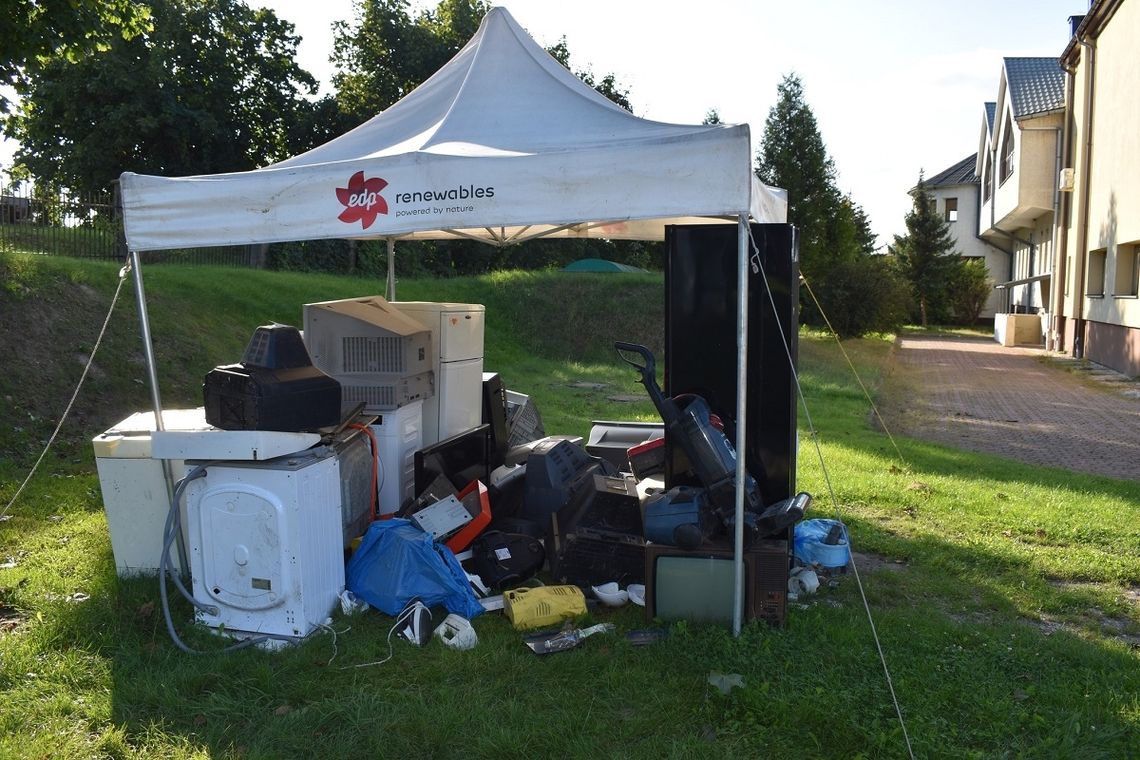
{"points": [[987, 180], [951, 209], [1094, 284], [1006, 151], [1127, 270]]}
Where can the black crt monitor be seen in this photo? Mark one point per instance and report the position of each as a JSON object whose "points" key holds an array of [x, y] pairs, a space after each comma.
{"points": [[461, 458]]}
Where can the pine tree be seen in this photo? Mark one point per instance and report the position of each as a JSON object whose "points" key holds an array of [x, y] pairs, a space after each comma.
{"points": [[925, 254], [793, 156]]}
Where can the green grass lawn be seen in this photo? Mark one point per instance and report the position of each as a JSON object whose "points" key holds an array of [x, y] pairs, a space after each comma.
{"points": [[1005, 595]]}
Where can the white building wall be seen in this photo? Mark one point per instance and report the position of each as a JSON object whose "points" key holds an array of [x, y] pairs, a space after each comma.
{"points": [[966, 240]]}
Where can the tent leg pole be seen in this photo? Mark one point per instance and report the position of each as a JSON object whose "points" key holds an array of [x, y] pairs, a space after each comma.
{"points": [[155, 397], [741, 420], [391, 291]]}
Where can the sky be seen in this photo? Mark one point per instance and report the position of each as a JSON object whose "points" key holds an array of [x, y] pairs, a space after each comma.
{"points": [[897, 86]]}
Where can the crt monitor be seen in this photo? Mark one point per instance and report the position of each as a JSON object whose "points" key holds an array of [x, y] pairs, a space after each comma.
{"points": [[697, 584]]}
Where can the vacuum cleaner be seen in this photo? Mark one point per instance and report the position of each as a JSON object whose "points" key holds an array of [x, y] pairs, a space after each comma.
{"points": [[689, 423]]}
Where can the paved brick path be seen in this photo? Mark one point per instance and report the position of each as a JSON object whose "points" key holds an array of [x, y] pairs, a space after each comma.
{"points": [[974, 394]]}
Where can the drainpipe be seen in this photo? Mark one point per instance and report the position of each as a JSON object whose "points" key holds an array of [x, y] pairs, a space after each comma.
{"points": [[1061, 226], [1086, 178]]}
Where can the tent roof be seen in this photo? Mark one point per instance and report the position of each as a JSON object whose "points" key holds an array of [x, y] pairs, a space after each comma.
{"points": [[502, 144]]}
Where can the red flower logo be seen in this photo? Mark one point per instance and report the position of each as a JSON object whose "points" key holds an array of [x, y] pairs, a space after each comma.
{"points": [[362, 200]]}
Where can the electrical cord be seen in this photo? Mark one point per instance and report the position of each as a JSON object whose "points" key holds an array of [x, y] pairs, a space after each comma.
{"points": [[400, 619]]}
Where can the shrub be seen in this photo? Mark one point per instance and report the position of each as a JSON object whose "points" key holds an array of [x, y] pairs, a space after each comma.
{"points": [[863, 296]]}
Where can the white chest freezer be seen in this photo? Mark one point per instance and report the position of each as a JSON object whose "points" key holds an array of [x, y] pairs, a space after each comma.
{"points": [[136, 498], [457, 359]]}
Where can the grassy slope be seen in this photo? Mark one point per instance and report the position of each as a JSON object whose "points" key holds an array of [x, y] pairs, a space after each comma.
{"points": [[993, 557]]}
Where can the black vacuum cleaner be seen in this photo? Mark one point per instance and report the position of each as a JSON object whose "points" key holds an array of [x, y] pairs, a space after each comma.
{"points": [[689, 423]]}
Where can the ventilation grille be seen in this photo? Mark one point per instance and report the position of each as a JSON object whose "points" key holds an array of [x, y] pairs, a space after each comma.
{"points": [[373, 396], [361, 354]]}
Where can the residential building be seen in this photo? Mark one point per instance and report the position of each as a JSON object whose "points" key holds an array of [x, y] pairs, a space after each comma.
{"points": [[1095, 291], [1019, 159], [954, 192]]}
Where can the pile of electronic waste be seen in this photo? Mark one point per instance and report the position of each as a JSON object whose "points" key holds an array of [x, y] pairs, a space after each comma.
{"points": [[376, 436]]}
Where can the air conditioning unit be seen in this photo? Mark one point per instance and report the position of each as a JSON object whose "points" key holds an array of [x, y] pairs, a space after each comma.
{"points": [[1065, 184], [266, 544]]}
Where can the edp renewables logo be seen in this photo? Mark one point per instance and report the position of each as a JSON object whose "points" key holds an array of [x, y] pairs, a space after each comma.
{"points": [[363, 202]]}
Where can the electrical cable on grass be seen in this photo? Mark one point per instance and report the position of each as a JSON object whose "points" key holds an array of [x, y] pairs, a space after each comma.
{"points": [[758, 266], [400, 619], [851, 364], [63, 418]]}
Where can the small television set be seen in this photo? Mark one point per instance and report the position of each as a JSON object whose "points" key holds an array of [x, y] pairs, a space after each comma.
{"points": [[461, 458], [697, 584]]}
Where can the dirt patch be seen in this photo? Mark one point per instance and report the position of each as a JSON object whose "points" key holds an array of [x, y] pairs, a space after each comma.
{"points": [[870, 563]]}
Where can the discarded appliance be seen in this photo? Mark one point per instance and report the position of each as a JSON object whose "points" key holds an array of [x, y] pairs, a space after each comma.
{"points": [[697, 584], [266, 544], [381, 357], [612, 440], [457, 361], [524, 423], [543, 606], [136, 497], [504, 559], [274, 387], [399, 435], [550, 642], [557, 472], [495, 415], [597, 536]]}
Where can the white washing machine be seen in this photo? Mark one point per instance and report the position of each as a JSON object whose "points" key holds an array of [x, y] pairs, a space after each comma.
{"points": [[265, 543]]}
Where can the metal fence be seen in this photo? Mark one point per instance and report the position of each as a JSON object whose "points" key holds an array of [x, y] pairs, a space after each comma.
{"points": [[89, 226]]}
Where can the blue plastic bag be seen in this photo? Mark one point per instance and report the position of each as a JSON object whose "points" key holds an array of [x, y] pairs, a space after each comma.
{"points": [[397, 562], [809, 548]]}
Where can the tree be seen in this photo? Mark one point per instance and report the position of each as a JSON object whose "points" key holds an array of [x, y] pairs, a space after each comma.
{"points": [[712, 116], [793, 156], [607, 85], [386, 53], [212, 87], [34, 33], [970, 288], [925, 255]]}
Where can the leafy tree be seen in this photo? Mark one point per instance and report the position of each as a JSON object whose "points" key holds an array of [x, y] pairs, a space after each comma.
{"points": [[970, 288], [212, 87], [34, 33], [925, 255], [386, 53], [607, 85]]}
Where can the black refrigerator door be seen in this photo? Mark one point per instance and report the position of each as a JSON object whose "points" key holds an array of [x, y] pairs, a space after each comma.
{"points": [[700, 341]]}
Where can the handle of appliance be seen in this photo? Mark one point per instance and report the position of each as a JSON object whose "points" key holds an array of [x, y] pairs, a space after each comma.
{"points": [[666, 407], [647, 367]]}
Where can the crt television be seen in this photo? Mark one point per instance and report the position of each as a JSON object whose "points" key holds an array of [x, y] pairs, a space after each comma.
{"points": [[697, 584]]}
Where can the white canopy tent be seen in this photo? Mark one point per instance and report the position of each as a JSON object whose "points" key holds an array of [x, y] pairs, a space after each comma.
{"points": [[502, 145]]}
